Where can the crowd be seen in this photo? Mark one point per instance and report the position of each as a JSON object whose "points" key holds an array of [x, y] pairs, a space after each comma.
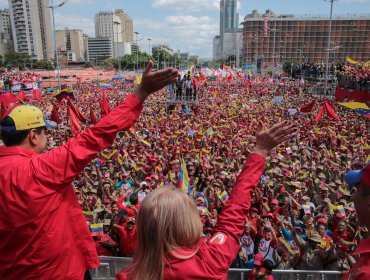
{"points": [[301, 217]]}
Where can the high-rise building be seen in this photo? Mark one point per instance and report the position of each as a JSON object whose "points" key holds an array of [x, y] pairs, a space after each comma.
{"points": [[72, 41], [6, 43], [99, 49], [127, 26], [274, 39], [31, 27], [108, 25], [118, 26], [226, 43]]}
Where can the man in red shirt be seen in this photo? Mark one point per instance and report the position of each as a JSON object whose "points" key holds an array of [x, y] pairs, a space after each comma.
{"points": [[127, 237], [361, 179], [43, 233]]}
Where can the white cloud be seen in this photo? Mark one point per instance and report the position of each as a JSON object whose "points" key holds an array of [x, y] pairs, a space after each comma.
{"points": [[183, 32], [192, 5], [74, 21]]}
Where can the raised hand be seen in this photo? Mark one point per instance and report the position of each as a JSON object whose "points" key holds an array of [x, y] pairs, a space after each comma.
{"points": [[267, 139], [154, 81]]}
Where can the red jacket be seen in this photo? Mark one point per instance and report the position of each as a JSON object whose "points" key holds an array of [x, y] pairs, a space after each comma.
{"points": [[361, 270], [216, 253], [127, 240], [43, 233]]}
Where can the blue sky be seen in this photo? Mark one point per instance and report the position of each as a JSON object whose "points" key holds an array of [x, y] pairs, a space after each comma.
{"points": [[186, 25]]}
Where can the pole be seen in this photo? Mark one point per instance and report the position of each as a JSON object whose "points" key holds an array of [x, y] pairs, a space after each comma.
{"points": [[328, 50], [137, 52], [55, 46], [149, 46], [273, 52]]}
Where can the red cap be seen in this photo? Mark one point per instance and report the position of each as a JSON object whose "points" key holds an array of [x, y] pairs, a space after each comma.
{"points": [[275, 201], [258, 258]]}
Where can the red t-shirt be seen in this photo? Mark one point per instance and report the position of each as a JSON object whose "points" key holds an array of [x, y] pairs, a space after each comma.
{"points": [[127, 240]]}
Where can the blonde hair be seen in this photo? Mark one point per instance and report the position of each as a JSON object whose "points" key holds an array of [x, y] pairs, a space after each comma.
{"points": [[167, 219]]}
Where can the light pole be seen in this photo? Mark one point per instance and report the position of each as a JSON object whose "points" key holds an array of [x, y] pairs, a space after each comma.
{"points": [[149, 45], [137, 51], [300, 61], [116, 45], [273, 48], [52, 7], [328, 51]]}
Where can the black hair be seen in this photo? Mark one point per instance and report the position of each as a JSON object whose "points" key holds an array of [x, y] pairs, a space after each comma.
{"points": [[14, 137], [134, 198], [268, 264]]}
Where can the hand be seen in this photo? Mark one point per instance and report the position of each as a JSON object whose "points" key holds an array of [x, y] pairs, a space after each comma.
{"points": [[154, 81], [267, 139]]}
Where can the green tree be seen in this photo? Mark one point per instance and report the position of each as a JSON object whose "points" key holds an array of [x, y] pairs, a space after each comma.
{"points": [[14, 59]]}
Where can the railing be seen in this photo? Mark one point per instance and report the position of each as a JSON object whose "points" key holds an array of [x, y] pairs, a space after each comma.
{"points": [[109, 267]]}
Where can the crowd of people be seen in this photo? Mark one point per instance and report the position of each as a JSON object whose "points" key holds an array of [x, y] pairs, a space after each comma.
{"points": [[301, 214]]}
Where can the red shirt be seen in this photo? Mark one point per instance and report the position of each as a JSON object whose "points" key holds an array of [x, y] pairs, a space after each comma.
{"points": [[104, 251], [338, 236], [43, 233], [361, 270], [127, 240], [216, 253]]}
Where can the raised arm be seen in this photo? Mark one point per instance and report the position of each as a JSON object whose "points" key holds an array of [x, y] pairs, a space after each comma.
{"points": [[224, 243], [59, 166]]}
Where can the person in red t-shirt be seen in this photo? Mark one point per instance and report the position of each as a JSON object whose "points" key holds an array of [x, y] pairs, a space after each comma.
{"points": [[127, 237], [361, 180]]}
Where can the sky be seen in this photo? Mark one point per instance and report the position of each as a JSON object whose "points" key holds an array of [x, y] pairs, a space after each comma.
{"points": [[188, 26]]}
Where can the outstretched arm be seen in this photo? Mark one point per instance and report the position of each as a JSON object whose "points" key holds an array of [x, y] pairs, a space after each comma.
{"points": [[58, 167], [224, 243]]}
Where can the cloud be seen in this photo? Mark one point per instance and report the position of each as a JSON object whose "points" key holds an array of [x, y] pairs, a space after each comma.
{"points": [[183, 32], [75, 22], [192, 5]]}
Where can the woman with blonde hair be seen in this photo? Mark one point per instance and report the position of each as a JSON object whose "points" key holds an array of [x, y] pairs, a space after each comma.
{"points": [[170, 245]]}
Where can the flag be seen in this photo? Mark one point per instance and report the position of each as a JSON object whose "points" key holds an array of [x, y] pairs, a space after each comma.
{"points": [[308, 107], [330, 111], [360, 108], [96, 229], [266, 209], [351, 206], [307, 209], [340, 211], [77, 112], [88, 215], [105, 86], [285, 247], [73, 122], [145, 143], [350, 62], [104, 106], [66, 93], [346, 244], [320, 115], [92, 116], [277, 100], [184, 182], [223, 196], [341, 192], [97, 202], [54, 115]]}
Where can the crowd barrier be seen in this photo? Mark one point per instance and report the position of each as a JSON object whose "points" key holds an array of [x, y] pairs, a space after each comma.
{"points": [[109, 266], [355, 95]]}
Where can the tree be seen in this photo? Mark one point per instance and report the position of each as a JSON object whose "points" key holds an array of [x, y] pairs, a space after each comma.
{"points": [[14, 59]]}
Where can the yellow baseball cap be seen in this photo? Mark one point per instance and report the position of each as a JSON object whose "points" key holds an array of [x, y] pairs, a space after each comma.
{"points": [[28, 117]]}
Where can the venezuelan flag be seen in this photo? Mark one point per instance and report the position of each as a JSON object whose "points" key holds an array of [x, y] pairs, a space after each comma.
{"points": [[347, 244], [184, 182], [307, 209], [223, 196], [358, 107], [266, 209], [96, 229], [340, 211], [105, 86], [285, 247], [351, 62], [88, 215]]}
